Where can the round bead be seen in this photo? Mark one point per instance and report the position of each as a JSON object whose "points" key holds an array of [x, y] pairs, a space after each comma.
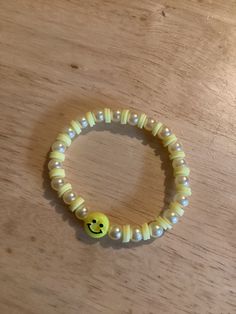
{"points": [[54, 164], [164, 132], [149, 124], [182, 200], [116, 116], [133, 118], [99, 116], [171, 216], [136, 234], [69, 196], [83, 122], [175, 147], [179, 162], [57, 183], [156, 231], [81, 213], [70, 132], [182, 180], [59, 146], [96, 225], [115, 232]]}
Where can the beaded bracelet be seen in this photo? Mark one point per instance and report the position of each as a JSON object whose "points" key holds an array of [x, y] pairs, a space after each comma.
{"points": [[96, 224]]}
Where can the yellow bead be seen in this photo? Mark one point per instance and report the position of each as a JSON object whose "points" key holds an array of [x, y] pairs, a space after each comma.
{"points": [[177, 155], [181, 171], [91, 118], [124, 116], [176, 208], [57, 173], [169, 140], [126, 236], [107, 115], [141, 120], [66, 187], [164, 223], [64, 138], [156, 128], [186, 191], [57, 155], [96, 225], [77, 203], [76, 127], [145, 231]]}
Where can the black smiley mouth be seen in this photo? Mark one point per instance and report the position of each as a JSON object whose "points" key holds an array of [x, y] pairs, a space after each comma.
{"points": [[89, 226]]}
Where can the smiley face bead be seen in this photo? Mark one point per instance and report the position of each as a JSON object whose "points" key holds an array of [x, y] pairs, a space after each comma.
{"points": [[96, 225]]}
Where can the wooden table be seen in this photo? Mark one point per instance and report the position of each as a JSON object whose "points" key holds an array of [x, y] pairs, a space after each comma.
{"points": [[174, 60]]}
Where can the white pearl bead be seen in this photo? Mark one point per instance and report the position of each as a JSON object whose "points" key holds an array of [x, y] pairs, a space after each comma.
{"points": [[149, 124], [81, 213], [133, 118], [178, 162], [54, 164], [83, 122], [99, 116], [164, 132], [156, 231], [182, 200], [175, 147], [70, 132], [171, 216], [116, 116], [57, 182], [69, 196], [59, 146], [182, 180], [136, 234], [115, 232]]}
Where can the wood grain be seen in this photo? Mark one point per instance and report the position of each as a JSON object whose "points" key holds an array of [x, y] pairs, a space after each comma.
{"points": [[174, 60]]}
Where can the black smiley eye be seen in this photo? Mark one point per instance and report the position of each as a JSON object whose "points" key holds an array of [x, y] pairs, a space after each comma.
{"points": [[101, 225], [94, 221]]}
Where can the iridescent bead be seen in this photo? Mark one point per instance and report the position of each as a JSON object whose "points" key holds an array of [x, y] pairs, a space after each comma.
{"points": [[70, 132], [83, 122], [171, 216], [59, 146], [81, 213], [136, 234], [57, 183], [116, 116], [133, 118], [164, 132], [99, 116], [179, 162], [115, 232], [175, 147], [182, 180], [69, 196], [156, 231], [181, 199], [54, 164], [149, 123]]}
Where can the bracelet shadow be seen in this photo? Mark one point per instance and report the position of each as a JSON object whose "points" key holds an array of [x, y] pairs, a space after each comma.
{"points": [[145, 138]]}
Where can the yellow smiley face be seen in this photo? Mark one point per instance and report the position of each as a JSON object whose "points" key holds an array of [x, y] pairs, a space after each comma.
{"points": [[96, 225]]}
